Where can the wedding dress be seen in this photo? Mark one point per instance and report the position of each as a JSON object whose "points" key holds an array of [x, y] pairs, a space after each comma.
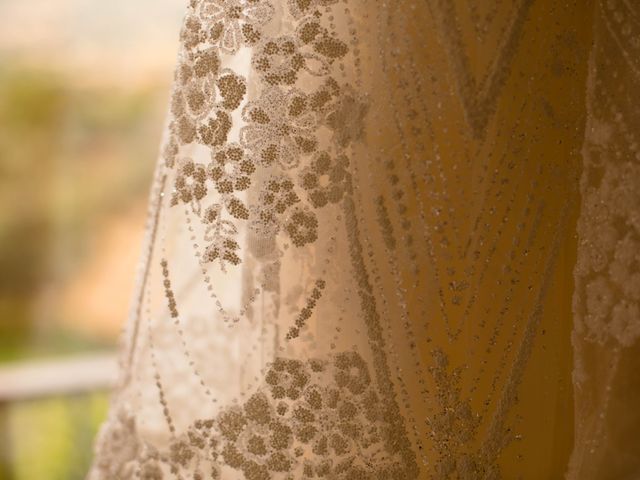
{"points": [[390, 239]]}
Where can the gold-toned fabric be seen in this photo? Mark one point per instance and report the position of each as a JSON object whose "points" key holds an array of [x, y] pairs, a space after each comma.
{"points": [[362, 240]]}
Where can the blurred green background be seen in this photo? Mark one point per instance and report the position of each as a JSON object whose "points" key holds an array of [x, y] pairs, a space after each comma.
{"points": [[83, 93]]}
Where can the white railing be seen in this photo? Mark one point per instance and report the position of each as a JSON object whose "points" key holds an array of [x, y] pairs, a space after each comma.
{"points": [[69, 376], [34, 380]]}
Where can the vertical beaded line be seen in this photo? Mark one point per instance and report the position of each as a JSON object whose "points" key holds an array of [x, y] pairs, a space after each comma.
{"points": [[150, 244]]}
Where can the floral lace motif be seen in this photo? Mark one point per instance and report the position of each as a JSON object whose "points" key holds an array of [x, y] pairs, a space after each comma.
{"points": [[282, 125], [233, 23], [313, 419], [608, 266]]}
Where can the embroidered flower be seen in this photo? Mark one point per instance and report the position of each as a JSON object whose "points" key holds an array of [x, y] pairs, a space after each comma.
{"points": [[230, 169], [311, 33], [196, 95], [341, 109], [287, 378], [190, 182], [235, 22], [351, 372], [323, 95], [237, 208], [280, 127], [192, 33], [215, 130], [197, 99], [302, 227], [346, 117], [264, 225], [232, 89], [201, 64], [326, 179], [184, 129], [279, 61], [278, 194], [197, 115], [181, 453], [254, 441]]}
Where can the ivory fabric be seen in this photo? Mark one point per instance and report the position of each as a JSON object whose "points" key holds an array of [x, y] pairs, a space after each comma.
{"points": [[390, 240]]}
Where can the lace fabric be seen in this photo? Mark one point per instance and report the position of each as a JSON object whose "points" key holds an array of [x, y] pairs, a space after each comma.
{"points": [[607, 274], [361, 242]]}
